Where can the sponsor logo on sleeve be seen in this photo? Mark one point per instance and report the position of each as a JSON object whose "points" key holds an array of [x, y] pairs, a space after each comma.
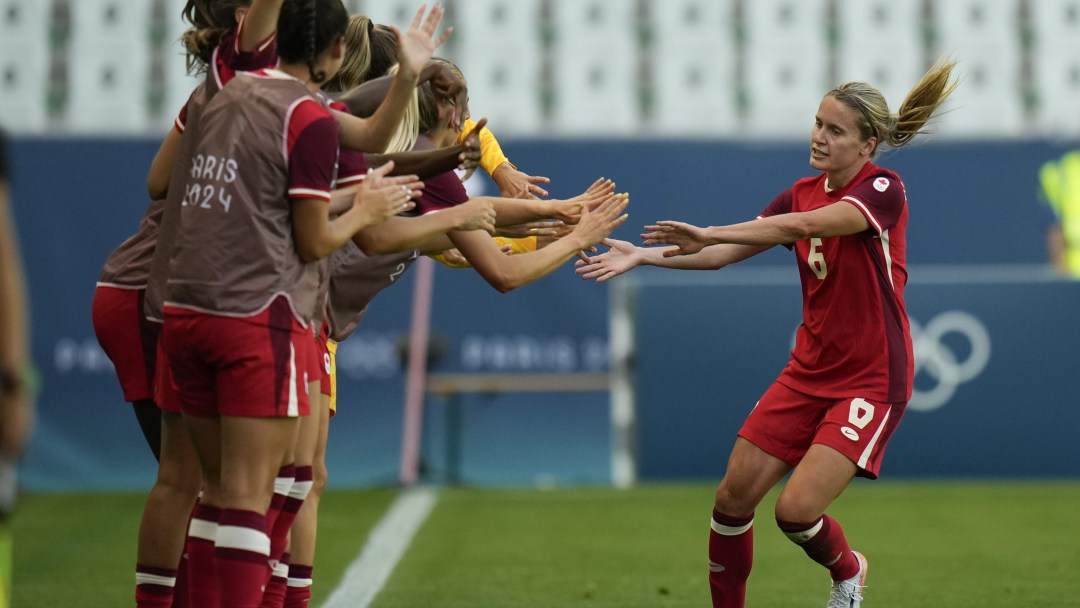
{"points": [[881, 184]]}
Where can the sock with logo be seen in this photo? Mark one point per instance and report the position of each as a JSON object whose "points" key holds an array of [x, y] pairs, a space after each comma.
{"points": [[731, 556], [825, 543]]}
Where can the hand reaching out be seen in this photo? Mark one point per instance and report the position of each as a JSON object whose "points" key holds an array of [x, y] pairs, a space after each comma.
{"points": [[381, 197], [470, 158], [417, 45], [598, 223], [619, 258], [516, 184], [541, 228], [476, 214], [689, 239]]}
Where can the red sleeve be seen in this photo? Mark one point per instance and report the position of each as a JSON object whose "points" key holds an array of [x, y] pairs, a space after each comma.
{"points": [[881, 199], [441, 192], [352, 168], [311, 149], [779, 205], [181, 118], [229, 59]]}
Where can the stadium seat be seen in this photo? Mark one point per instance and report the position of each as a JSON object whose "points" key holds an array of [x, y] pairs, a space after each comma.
{"points": [[786, 66], [178, 83], [504, 86], [1057, 66], [497, 46], [109, 64], [983, 36], [389, 12], [881, 42], [594, 68], [693, 60], [24, 65]]}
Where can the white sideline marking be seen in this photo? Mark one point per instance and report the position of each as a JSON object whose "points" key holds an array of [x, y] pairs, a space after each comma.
{"points": [[367, 574]]}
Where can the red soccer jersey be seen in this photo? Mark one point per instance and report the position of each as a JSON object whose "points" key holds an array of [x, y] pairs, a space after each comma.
{"points": [[442, 191], [854, 340], [352, 168], [228, 59]]}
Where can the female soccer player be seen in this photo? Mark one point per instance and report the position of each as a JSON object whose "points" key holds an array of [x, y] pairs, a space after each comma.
{"points": [[830, 414], [240, 286], [227, 36]]}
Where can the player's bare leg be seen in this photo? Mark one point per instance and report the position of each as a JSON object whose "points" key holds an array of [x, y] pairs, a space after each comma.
{"points": [[819, 479], [751, 473]]}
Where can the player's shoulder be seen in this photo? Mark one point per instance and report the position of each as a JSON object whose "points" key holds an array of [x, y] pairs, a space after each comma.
{"points": [[880, 180]]}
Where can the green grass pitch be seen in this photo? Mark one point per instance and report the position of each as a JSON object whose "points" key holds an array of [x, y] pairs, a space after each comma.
{"points": [[950, 544]]}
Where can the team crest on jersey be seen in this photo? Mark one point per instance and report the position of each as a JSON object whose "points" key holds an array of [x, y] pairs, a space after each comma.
{"points": [[881, 184]]}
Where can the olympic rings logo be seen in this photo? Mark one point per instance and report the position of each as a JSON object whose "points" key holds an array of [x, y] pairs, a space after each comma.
{"points": [[935, 359]]}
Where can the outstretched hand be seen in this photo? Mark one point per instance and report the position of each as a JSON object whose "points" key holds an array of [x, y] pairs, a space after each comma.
{"points": [[417, 45], [619, 258], [381, 196], [470, 158], [513, 183], [687, 238], [596, 224]]}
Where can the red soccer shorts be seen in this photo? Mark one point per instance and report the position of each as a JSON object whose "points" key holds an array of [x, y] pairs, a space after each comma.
{"points": [[785, 423], [238, 366], [127, 337], [322, 354], [164, 388]]}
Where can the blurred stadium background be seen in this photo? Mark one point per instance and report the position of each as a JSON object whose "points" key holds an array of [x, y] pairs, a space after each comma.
{"points": [[698, 108]]}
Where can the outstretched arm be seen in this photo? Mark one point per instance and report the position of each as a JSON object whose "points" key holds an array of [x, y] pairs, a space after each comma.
{"points": [[429, 163], [838, 219], [622, 257], [506, 273]]}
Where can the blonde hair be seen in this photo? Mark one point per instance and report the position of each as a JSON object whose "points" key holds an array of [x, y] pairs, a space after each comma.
{"points": [[409, 129], [897, 130], [357, 62]]}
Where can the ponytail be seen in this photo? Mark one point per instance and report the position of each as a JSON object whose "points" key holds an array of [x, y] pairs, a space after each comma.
{"points": [[897, 130], [211, 21], [357, 63]]}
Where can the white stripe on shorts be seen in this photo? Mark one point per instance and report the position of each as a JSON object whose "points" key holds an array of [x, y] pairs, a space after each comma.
{"points": [[294, 403], [865, 457]]}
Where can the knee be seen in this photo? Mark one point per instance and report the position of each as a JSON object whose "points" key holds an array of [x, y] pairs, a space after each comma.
{"points": [[318, 477], [179, 481], [731, 501], [794, 508]]}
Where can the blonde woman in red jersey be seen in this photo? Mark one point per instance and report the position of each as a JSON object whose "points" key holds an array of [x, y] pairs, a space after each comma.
{"points": [[830, 414]]}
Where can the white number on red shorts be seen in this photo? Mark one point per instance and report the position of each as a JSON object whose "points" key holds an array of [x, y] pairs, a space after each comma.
{"points": [[861, 413]]}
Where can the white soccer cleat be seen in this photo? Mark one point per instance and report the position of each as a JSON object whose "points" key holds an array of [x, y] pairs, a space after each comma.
{"points": [[849, 593]]}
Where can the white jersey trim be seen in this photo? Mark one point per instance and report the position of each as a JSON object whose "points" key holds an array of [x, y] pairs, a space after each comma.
{"points": [[118, 286], [866, 211]]}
